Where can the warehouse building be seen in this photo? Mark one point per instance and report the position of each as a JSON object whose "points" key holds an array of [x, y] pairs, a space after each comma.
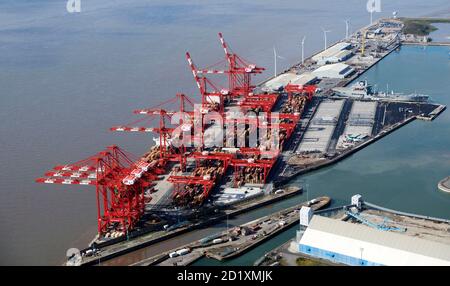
{"points": [[336, 58], [339, 70], [356, 244], [279, 82], [334, 53], [305, 79]]}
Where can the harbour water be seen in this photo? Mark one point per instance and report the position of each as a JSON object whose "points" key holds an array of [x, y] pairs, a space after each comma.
{"points": [[66, 78], [401, 170]]}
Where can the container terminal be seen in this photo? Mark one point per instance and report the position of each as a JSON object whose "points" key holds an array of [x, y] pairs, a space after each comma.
{"points": [[364, 234], [285, 126]]}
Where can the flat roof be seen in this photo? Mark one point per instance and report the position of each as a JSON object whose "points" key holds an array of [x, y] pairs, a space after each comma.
{"points": [[282, 80], [343, 54], [338, 67], [338, 70], [387, 239], [331, 51], [304, 79]]}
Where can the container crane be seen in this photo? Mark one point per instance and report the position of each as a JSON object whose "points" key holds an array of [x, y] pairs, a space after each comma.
{"points": [[167, 151], [306, 90], [211, 100], [196, 188], [120, 184], [239, 71]]}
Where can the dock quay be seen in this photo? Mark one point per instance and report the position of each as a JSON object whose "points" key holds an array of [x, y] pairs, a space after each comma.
{"points": [[236, 240], [433, 114], [387, 226], [111, 250], [427, 43], [327, 129], [315, 148], [316, 162]]}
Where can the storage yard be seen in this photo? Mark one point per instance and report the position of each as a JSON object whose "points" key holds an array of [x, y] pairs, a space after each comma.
{"points": [[236, 240], [366, 234], [359, 124], [194, 170], [318, 136]]}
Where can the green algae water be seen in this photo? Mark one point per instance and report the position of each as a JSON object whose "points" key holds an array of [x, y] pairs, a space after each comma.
{"points": [[400, 171]]}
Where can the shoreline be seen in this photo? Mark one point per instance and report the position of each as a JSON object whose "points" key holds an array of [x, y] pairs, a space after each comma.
{"points": [[135, 244], [278, 181]]}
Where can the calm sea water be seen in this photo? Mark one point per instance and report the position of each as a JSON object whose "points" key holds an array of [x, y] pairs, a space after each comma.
{"points": [[401, 170], [66, 78]]}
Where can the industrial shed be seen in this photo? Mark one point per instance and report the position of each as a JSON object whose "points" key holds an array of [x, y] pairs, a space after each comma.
{"points": [[338, 70], [356, 244], [279, 82], [305, 79], [331, 51]]}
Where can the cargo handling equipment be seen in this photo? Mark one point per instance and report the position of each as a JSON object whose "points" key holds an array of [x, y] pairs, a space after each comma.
{"points": [[122, 181]]}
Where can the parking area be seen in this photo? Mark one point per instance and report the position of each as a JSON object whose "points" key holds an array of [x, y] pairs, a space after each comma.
{"points": [[320, 130], [359, 124]]}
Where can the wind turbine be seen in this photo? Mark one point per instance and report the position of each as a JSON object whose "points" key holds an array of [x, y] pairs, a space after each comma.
{"points": [[325, 36], [275, 57], [347, 26], [303, 49]]}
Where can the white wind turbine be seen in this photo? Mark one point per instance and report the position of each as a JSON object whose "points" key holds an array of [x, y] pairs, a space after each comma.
{"points": [[347, 27], [275, 57], [325, 36], [303, 49]]}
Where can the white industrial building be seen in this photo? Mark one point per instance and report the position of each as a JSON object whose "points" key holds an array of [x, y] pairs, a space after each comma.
{"points": [[338, 70], [336, 53], [356, 244], [304, 79], [279, 82]]}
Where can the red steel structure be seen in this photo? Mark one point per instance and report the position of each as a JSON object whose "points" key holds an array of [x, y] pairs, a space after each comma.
{"points": [[213, 97], [239, 71], [307, 90], [264, 164], [185, 124], [207, 182], [262, 102], [120, 184]]}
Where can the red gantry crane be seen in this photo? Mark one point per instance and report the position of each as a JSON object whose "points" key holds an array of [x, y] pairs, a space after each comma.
{"points": [[167, 151], [213, 97], [239, 71], [120, 184], [209, 168], [307, 90]]}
